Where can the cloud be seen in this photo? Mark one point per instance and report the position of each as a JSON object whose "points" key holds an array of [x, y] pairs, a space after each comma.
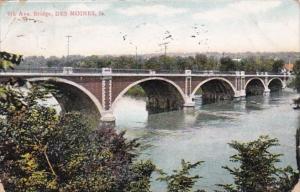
{"points": [[158, 10], [238, 9]]}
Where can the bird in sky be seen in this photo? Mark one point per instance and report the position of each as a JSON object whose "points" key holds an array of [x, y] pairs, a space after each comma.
{"points": [[20, 35], [168, 37]]}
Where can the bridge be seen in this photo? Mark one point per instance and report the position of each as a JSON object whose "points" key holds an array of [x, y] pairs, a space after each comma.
{"points": [[96, 91]]}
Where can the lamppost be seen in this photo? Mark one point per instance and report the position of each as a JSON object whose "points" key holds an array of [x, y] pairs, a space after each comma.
{"points": [[68, 44], [136, 59], [165, 58]]}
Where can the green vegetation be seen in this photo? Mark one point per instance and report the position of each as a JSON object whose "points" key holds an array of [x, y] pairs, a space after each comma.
{"points": [[136, 91], [297, 73], [44, 151], [180, 180], [227, 64], [257, 170], [41, 150], [9, 60], [248, 63]]}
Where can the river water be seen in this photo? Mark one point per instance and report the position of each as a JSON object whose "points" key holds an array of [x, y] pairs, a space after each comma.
{"points": [[203, 133]]}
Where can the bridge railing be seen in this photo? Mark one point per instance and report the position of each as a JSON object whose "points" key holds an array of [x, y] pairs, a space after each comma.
{"points": [[108, 71], [214, 72], [138, 71], [161, 71], [36, 70], [258, 73], [87, 70]]}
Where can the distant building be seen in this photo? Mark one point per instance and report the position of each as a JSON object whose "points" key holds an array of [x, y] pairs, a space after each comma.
{"points": [[288, 67]]}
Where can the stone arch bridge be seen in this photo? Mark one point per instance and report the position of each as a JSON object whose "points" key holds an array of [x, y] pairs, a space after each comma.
{"points": [[96, 91]]}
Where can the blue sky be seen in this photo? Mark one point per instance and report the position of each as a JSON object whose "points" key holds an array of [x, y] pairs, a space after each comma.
{"points": [[194, 25]]}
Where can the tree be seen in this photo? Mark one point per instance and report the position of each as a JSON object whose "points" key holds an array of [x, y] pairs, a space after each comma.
{"points": [[257, 169], [183, 63], [53, 61], [296, 70], [9, 60], [213, 63], [277, 65], [227, 64], [153, 63], [180, 180], [265, 64], [201, 62], [124, 62], [41, 150], [296, 67]]}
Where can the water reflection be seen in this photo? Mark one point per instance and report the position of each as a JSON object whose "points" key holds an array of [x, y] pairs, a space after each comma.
{"points": [[203, 133]]}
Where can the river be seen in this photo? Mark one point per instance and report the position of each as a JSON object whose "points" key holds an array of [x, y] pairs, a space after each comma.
{"points": [[203, 133]]}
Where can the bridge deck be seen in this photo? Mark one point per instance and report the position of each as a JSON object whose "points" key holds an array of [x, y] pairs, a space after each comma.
{"points": [[98, 72]]}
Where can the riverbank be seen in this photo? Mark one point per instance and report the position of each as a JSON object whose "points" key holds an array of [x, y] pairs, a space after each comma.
{"points": [[136, 91]]}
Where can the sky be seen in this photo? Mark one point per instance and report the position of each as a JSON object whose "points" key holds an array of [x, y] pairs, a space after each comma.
{"points": [[119, 27]]}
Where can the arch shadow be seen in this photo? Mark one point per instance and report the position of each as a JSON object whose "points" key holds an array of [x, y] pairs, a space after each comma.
{"points": [[74, 97], [162, 94], [255, 86], [275, 84], [215, 89]]}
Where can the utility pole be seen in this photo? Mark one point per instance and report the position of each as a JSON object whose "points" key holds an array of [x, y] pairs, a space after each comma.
{"points": [[165, 46], [136, 59], [68, 44]]}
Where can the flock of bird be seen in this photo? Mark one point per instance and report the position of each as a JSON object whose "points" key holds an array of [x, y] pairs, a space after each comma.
{"points": [[198, 31], [199, 34]]}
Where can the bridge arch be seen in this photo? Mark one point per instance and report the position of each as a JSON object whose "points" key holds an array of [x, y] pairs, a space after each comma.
{"points": [[255, 86], [163, 81], [214, 78], [228, 90], [257, 78], [275, 84], [78, 97]]}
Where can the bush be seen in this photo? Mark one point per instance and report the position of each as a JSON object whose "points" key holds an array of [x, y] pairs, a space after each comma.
{"points": [[43, 151], [257, 169]]}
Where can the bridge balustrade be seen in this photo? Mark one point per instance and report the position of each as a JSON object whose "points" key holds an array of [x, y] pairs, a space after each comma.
{"points": [[36, 70], [108, 71], [162, 71], [137, 71], [87, 70], [208, 72]]}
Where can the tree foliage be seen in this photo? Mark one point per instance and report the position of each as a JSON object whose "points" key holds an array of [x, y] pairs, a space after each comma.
{"points": [[296, 70], [227, 64], [41, 150], [200, 61], [257, 169], [277, 65], [9, 60], [181, 180]]}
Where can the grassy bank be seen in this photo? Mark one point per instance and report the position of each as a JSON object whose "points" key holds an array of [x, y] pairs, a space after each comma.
{"points": [[136, 91]]}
